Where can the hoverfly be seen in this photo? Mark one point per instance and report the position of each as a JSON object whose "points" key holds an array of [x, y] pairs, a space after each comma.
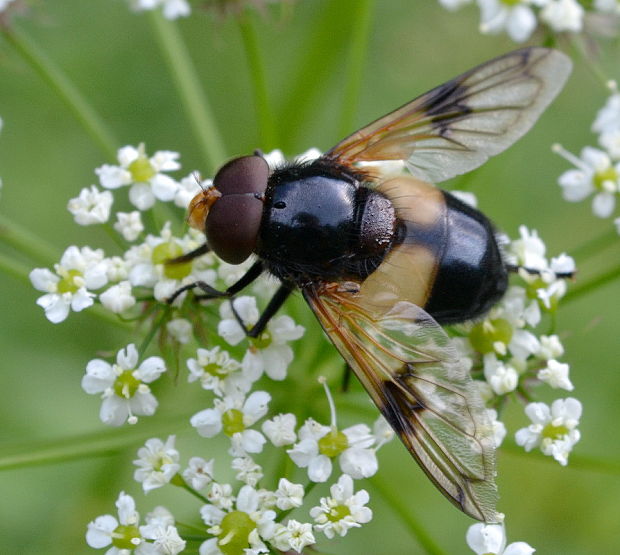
{"points": [[383, 261]]}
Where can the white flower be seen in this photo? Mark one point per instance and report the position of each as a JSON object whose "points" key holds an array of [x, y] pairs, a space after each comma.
{"points": [[501, 377], [562, 264], [274, 159], [160, 528], [78, 271], [595, 173], [354, 446], [107, 529], [289, 495], [157, 463], [556, 375], [118, 298], [129, 225], [467, 197], [228, 327], [610, 141], [270, 353], [499, 428], [117, 269], [550, 295], [490, 539], [244, 527], [608, 117], [295, 535], [143, 174], [516, 17], [233, 415], [342, 510], [248, 471], [189, 187], [180, 329], [553, 429], [221, 496], [529, 250], [453, 4], [550, 347], [281, 429], [199, 472], [216, 371], [319, 444], [563, 15], [124, 389], [91, 206], [148, 268]]}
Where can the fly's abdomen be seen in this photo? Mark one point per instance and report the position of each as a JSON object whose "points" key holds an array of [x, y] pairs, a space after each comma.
{"points": [[471, 276]]}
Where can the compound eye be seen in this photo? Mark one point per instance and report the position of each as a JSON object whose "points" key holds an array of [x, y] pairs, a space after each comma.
{"points": [[247, 174], [233, 222]]}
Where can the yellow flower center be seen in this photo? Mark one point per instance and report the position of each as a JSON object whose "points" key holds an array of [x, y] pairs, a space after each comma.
{"points": [[214, 369], [232, 422], [141, 169], [554, 432], [333, 443], [71, 282], [610, 174], [123, 534], [126, 385], [262, 341], [485, 335], [236, 527], [338, 513], [166, 251]]}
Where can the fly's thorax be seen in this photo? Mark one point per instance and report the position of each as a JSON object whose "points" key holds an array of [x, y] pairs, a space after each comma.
{"points": [[377, 223], [321, 223]]}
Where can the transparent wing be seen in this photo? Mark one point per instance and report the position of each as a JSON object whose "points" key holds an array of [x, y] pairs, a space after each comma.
{"points": [[405, 361], [457, 126]]}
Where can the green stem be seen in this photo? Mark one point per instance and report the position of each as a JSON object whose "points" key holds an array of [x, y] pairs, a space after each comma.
{"points": [[360, 26], [590, 62], [64, 88], [403, 510], [193, 97], [154, 329], [321, 55], [91, 444], [13, 268], [591, 285], [594, 246], [266, 119], [179, 481], [26, 242]]}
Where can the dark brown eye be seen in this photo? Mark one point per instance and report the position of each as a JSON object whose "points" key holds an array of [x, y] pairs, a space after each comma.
{"points": [[280, 204], [233, 222]]}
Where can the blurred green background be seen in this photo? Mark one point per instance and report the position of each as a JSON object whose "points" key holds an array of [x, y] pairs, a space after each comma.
{"points": [[46, 157]]}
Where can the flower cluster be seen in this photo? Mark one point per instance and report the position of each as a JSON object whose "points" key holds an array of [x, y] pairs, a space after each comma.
{"points": [[520, 18], [490, 539], [597, 170], [509, 356], [250, 516], [234, 371]]}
